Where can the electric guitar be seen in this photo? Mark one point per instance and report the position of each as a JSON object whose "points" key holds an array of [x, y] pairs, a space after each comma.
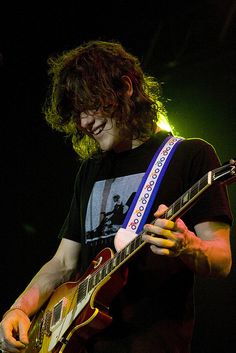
{"points": [[76, 310]]}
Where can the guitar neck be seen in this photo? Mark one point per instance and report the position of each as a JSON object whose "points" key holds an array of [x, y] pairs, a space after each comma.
{"points": [[187, 200], [178, 208]]}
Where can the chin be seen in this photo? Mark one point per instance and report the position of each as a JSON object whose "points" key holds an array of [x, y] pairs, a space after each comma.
{"points": [[106, 147]]}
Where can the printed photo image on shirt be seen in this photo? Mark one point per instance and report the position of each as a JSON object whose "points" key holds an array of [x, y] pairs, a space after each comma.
{"points": [[104, 218]]}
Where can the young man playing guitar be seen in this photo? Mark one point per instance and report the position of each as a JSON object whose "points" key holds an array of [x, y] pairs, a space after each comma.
{"points": [[101, 98]]}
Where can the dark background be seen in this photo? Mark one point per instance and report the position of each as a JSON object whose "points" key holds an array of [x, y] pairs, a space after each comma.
{"points": [[190, 46]]}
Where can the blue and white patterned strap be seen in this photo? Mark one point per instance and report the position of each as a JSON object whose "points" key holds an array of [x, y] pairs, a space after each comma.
{"points": [[146, 193]]}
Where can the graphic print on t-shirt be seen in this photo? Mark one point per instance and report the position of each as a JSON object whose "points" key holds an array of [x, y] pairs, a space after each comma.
{"points": [[107, 207]]}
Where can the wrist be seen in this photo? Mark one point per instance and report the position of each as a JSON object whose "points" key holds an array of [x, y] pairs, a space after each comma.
{"points": [[14, 308]]}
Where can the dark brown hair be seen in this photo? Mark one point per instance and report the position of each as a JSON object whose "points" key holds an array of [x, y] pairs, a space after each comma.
{"points": [[90, 77]]}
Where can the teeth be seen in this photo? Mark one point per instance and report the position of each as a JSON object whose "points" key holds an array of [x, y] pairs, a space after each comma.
{"points": [[97, 131]]}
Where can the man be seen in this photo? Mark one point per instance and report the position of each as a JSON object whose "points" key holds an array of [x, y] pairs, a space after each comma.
{"points": [[112, 110]]}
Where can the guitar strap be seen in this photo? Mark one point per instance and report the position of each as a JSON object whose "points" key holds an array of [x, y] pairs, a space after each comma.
{"points": [[148, 188]]}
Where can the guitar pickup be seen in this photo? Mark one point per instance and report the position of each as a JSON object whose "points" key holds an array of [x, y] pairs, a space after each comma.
{"points": [[57, 313]]}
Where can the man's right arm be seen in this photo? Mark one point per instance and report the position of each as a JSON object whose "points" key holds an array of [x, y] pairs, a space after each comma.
{"points": [[15, 324]]}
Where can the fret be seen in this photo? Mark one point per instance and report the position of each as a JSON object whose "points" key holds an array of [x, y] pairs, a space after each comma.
{"points": [[185, 198], [98, 276], [103, 272], [92, 282], [177, 205], [122, 255], [82, 290], [114, 262], [194, 191], [94, 279], [109, 266], [127, 250], [118, 257], [205, 181], [137, 242], [132, 246], [168, 212]]}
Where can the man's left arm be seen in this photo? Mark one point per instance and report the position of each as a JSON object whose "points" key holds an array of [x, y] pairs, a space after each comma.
{"points": [[207, 252]]}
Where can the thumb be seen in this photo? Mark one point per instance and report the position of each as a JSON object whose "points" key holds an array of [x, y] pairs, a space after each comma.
{"points": [[161, 209]]}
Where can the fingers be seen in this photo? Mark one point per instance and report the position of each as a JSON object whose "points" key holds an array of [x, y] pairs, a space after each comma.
{"points": [[23, 332], [161, 227], [10, 344], [163, 251], [167, 247], [180, 226], [14, 332], [161, 209], [160, 242], [166, 237], [5, 347]]}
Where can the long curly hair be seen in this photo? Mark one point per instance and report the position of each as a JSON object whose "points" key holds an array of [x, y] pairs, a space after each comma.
{"points": [[91, 77]]}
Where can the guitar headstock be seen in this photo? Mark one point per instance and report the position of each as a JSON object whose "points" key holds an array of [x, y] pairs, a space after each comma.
{"points": [[226, 173], [232, 162]]}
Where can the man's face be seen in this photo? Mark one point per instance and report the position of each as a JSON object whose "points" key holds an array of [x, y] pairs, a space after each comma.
{"points": [[103, 129]]}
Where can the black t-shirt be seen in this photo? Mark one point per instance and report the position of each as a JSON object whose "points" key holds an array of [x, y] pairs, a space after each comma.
{"points": [[154, 310]]}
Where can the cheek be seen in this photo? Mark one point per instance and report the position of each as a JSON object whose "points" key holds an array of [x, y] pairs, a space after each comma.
{"points": [[81, 123]]}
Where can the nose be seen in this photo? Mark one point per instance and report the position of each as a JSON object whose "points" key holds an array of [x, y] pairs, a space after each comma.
{"points": [[87, 119]]}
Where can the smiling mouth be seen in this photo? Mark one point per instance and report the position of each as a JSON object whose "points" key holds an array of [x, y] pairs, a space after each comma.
{"points": [[98, 130]]}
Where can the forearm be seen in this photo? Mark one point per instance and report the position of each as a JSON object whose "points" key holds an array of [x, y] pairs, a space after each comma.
{"points": [[206, 252], [208, 257], [50, 276]]}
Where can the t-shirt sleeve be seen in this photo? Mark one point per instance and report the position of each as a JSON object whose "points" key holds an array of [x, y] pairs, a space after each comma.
{"points": [[71, 228], [214, 204]]}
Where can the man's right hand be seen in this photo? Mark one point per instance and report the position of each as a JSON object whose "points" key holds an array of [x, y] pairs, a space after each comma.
{"points": [[14, 331]]}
